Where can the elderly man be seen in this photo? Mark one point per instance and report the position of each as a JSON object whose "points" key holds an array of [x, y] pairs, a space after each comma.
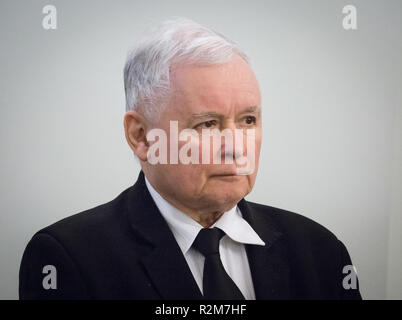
{"points": [[184, 230]]}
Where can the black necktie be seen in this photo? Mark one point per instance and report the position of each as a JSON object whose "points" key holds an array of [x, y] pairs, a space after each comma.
{"points": [[217, 285]]}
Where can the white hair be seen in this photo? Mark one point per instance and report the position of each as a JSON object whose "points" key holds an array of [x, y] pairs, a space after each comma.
{"points": [[175, 41]]}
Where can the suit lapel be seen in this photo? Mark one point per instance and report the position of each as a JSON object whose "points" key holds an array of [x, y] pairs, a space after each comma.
{"points": [[164, 261], [268, 264]]}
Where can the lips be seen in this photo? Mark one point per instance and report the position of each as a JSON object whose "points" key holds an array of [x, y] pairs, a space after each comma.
{"points": [[224, 175]]}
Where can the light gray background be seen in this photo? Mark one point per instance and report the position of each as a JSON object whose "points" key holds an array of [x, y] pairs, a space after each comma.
{"points": [[332, 117]]}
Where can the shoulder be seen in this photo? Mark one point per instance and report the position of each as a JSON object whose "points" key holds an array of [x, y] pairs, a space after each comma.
{"points": [[314, 252], [294, 225], [89, 225]]}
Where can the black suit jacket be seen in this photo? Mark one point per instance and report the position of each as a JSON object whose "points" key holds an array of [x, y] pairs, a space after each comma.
{"points": [[124, 249]]}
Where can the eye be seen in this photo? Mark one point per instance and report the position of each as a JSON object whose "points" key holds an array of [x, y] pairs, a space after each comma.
{"points": [[206, 124], [250, 120]]}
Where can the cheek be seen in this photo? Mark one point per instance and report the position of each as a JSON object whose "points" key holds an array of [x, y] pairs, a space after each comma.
{"points": [[189, 178], [258, 142], [258, 147]]}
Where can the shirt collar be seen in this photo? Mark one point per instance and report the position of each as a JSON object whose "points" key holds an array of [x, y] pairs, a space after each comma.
{"points": [[186, 229]]}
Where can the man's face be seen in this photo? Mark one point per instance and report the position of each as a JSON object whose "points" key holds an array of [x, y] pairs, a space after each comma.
{"points": [[220, 97]]}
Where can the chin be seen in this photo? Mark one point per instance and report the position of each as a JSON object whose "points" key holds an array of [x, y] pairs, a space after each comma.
{"points": [[227, 198]]}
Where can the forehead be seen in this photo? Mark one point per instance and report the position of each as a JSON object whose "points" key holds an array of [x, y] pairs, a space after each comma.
{"points": [[223, 87]]}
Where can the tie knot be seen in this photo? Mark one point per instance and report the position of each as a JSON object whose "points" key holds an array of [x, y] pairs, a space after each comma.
{"points": [[207, 241]]}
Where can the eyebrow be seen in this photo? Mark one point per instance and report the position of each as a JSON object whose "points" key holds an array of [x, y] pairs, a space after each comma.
{"points": [[252, 109], [203, 115], [212, 114]]}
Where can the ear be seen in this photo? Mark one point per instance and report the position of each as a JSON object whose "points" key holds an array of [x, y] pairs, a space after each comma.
{"points": [[135, 126]]}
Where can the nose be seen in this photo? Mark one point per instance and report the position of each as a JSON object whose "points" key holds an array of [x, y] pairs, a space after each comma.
{"points": [[232, 143]]}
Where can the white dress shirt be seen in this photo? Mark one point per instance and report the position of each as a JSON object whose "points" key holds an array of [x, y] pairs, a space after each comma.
{"points": [[231, 247]]}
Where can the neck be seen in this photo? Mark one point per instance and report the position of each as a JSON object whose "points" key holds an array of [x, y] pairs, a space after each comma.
{"points": [[206, 220], [205, 216]]}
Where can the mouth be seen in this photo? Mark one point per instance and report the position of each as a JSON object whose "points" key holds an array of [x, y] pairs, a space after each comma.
{"points": [[227, 176]]}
